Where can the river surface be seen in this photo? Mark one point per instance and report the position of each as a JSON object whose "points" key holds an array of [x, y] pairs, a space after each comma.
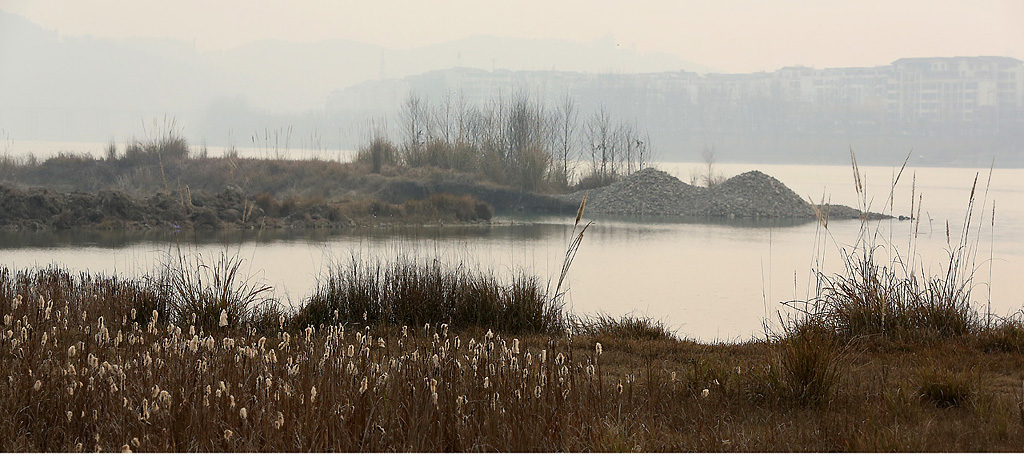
{"points": [[708, 280]]}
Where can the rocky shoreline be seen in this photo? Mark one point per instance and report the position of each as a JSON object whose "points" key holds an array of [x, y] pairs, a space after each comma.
{"points": [[652, 192]]}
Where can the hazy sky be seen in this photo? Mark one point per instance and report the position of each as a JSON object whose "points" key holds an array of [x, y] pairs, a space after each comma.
{"points": [[727, 35]]}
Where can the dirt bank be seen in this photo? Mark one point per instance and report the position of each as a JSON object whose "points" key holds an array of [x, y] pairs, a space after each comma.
{"points": [[37, 209]]}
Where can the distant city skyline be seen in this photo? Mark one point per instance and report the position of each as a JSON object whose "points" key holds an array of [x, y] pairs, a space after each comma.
{"points": [[727, 36], [116, 84]]}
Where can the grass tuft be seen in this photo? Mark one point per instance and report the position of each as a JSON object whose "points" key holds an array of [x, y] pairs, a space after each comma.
{"points": [[945, 388], [199, 291], [626, 327], [410, 292]]}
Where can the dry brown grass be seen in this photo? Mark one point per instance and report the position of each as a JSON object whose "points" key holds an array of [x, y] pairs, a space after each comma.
{"points": [[83, 372]]}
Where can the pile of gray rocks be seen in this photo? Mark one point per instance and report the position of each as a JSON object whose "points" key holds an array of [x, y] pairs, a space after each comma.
{"points": [[652, 192]]}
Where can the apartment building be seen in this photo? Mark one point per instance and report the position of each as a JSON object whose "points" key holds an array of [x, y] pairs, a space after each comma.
{"points": [[969, 94], [977, 91]]}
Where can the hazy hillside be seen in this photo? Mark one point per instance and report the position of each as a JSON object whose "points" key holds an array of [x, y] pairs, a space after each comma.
{"points": [[84, 88]]}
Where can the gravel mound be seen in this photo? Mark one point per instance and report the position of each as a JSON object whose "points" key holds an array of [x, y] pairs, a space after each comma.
{"points": [[652, 192], [646, 192], [755, 194]]}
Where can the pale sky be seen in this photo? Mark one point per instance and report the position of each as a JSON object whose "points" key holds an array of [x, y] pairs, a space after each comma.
{"points": [[726, 35]]}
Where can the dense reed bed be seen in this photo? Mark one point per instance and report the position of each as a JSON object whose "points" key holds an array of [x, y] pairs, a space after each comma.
{"points": [[90, 366]]}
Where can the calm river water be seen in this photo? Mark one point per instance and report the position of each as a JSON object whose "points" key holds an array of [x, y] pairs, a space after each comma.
{"points": [[716, 281]]}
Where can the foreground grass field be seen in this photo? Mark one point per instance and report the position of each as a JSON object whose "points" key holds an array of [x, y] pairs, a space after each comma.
{"points": [[89, 366]]}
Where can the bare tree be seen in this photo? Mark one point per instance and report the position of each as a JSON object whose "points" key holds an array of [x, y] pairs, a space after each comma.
{"points": [[443, 117], [710, 157], [416, 122], [568, 119], [527, 153], [599, 138], [626, 139], [643, 151], [464, 119]]}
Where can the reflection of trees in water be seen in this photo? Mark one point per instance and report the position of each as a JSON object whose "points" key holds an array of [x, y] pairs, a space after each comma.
{"points": [[119, 239], [520, 229]]}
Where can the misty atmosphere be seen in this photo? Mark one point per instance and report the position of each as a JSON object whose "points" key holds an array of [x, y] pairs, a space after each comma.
{"points": [[669, 226], [329, 95]]}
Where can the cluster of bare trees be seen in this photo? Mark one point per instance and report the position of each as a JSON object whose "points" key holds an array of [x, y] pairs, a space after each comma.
{"points": [[520, 141]]}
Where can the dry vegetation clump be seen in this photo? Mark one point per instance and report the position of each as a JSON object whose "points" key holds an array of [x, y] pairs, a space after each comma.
{"points": [[876, 300], [809, 366], [1003, 334], [895, 301], [211, 294], [407, 292], [628, 327]]}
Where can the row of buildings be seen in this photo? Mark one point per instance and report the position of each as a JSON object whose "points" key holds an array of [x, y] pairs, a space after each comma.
{"points": [[974, 95]]}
